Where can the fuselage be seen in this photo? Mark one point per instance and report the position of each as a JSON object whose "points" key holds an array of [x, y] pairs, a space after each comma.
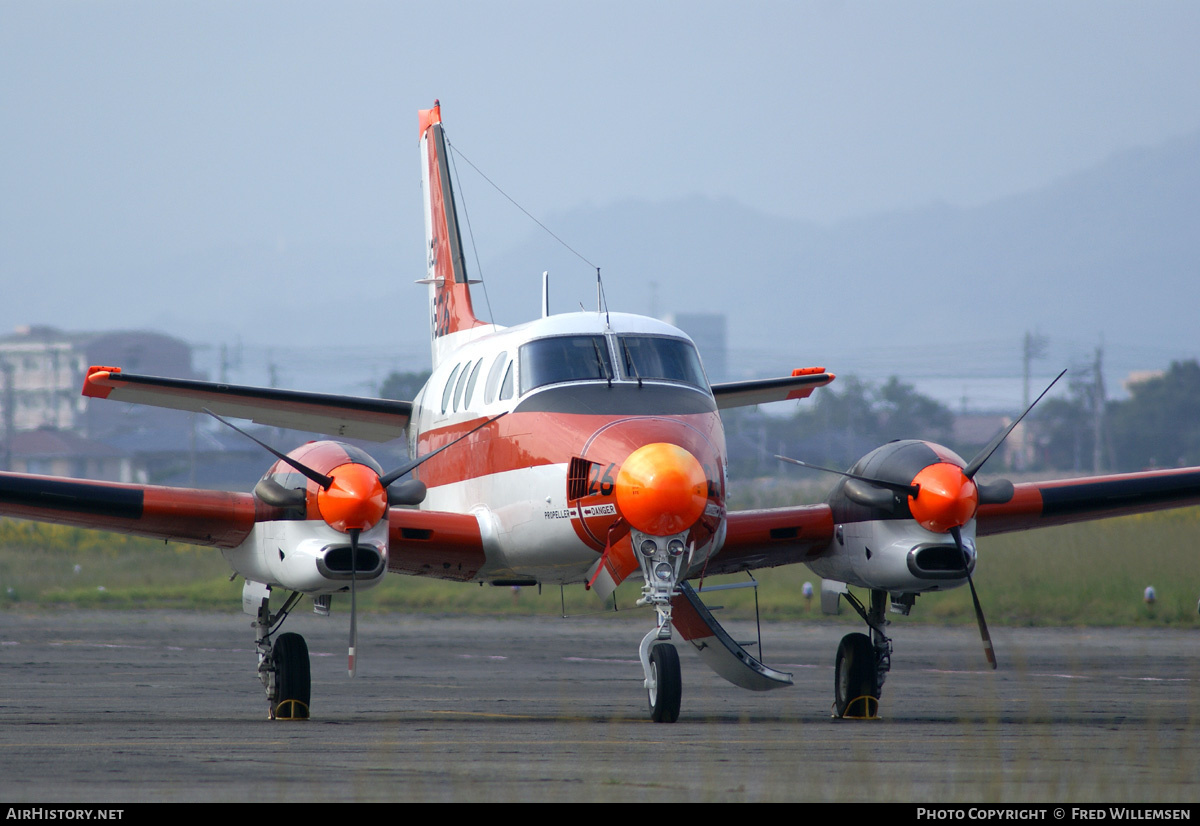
{"points": [[580, 392]]}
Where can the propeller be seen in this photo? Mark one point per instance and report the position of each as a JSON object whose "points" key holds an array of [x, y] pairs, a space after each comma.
{"points": [[943, 497], [352, 499], [988, 650]]}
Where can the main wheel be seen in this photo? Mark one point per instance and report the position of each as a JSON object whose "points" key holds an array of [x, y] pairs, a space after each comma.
{"points": [[855, 680], [666, 684], [293, 684]]}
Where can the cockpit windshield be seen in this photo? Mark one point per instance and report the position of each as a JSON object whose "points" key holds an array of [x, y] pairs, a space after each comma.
{"points": [[564, 358], [660, 358]]}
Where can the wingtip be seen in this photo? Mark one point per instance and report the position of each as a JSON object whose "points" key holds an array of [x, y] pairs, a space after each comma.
{"points": [[95, 384]]}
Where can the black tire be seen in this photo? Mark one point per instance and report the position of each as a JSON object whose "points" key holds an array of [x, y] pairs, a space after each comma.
{"points": [[666, 684], [855, 679], [293, 683]]}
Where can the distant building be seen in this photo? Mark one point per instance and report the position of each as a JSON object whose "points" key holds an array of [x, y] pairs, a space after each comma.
{"points": [[42, 370], [708, 331], [42, 374], [53, 452]]}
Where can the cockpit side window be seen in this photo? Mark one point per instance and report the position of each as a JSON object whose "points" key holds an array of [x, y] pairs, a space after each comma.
{"points": [[562, 359], [661, 358]]}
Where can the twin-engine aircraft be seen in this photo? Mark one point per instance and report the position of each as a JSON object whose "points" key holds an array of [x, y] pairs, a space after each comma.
{"points": [[580, 448]]}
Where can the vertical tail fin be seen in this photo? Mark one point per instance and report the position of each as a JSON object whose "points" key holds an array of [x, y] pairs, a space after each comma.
{"points": [[450, 307]]}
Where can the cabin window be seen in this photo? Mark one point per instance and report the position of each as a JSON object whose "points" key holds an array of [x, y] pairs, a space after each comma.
{"points": [[506, 389], [471, 384], [493, 378], [462, 383], [660, 358], [564, 358], [449, 387]]}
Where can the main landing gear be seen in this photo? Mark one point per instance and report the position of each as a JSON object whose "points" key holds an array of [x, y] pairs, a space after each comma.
{"points": [[283, 665], [862, 663]]}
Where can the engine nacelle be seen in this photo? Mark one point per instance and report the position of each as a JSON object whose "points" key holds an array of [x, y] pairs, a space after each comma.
{"points": [[896, 534], [310, 557]]}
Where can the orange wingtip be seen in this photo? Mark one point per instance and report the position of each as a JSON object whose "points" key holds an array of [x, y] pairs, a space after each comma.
{"points": [[95, 385], [805, 392], [428, 117]]}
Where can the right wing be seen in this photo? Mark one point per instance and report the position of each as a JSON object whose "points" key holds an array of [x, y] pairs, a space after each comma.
{"points": [[198, 517], [377, 420], [424, 543]]}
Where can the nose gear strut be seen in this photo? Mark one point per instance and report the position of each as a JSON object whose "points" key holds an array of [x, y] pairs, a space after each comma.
{"points": [[662, 559]]}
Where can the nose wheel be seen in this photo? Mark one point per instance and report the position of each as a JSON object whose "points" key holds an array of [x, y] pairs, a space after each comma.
{"points": [[664, 686]]}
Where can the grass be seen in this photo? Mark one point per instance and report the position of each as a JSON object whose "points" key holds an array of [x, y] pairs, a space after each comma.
{"points": [[1087, 574]]}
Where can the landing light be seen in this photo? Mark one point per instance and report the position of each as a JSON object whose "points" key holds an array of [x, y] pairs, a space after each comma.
{"points": [[649, 547], [664, 571], [675, 547]]}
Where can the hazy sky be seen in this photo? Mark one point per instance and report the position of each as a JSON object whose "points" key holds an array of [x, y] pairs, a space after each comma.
{"points": [[140, 133]]}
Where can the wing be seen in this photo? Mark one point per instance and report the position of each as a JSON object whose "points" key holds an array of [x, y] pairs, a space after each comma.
{"points": [[782, 536], [424, 543], [435, 544], [768, 538], [377, 420], [199, 517], [799, 385], [1041, 504]]}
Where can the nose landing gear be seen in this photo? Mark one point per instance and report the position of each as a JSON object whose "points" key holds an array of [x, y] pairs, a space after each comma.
{"points": [[662, 559]]}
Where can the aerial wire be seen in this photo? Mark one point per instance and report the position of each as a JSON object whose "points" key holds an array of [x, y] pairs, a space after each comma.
{"points": [[455, 150], [471, 232]]}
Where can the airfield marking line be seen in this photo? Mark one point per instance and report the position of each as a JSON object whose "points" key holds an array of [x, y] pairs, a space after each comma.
{"points": [[481, 656]]}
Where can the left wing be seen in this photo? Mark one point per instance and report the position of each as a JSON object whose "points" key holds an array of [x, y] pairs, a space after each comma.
{"points": [[799, 385], [377, 420], [1042, 504], [769, 538], [782, 536]]}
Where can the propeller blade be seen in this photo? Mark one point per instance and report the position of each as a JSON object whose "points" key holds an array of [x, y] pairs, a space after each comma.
{"points": [[354, 532], [898, 487], [320, 478], [409, 467], [973, 467], [988, 650]]}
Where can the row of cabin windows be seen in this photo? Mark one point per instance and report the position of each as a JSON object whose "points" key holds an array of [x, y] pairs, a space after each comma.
{"points": [[460, 387], [577, 358]]}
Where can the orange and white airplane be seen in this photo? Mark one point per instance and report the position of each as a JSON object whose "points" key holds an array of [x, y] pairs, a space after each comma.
{"points": [[581, 448]]}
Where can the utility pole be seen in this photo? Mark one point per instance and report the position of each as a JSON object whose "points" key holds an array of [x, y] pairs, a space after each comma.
{"points": [[1035, 348], [1098, 404], [9, 412]]}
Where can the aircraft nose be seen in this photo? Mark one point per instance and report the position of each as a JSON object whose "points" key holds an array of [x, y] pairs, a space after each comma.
{"points": [[661, 489]]}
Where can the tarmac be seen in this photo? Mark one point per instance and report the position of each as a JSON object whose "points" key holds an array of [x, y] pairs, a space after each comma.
{"points": [[135, 706]]}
